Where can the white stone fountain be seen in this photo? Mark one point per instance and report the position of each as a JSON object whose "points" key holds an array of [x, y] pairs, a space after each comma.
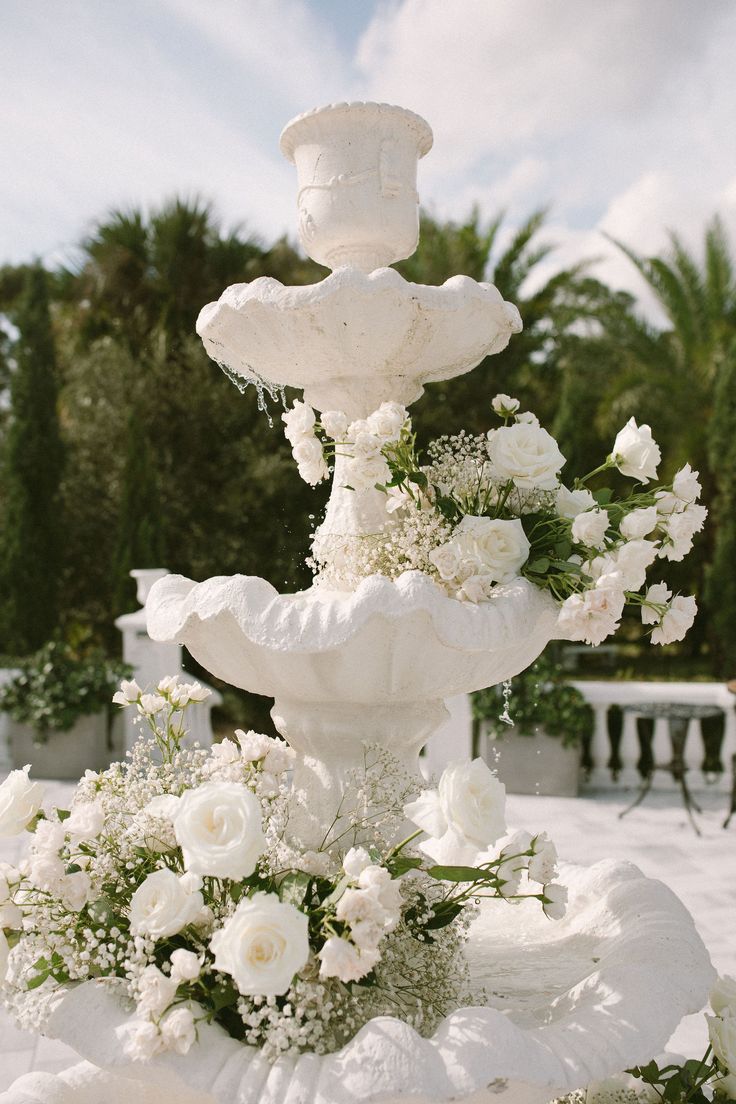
{"points": [[570, 1002]]}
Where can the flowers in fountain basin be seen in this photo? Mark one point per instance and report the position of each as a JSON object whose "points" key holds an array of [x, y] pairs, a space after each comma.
{"points": [[478, 512], [176, 873]]}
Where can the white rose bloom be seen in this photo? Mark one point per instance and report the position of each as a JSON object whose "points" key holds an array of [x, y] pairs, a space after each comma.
{"points": [[4, 889], [355, 861], [155, 992], [527, 418], [11, 916], [4, 956], [659, 594], [505, 405], [427, 813], [169, 682], [723, 996], [185, 965], [48, 837], [335, 424], [20, 800], [86, 820], [262, 945], [360, 905], [676, 621], [639, 523], [632, 560], [511, 850], [298, 422], [151, 703], [142, 1040], [387, 891], [195, 692], [253, 745], [128, 693], [527, 454], [680, 528], [667, 503], [74, 890], [476, 588], [473, 801], [446, 558], [164, 904], [635, 452], [46, 871], [590, 528], [722, 1034], [543, 863], [685, 484], [363, 475], [388, 421], [218, 826], [593, 615], [451, 849], [499, 548], [555, 906], [366, 446], [310, 460], [178, 1030], [342, 959], [569, 504]]}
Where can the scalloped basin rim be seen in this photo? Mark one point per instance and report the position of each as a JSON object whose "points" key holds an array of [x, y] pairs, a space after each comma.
{"points": [[650, 970], [318, 620]]}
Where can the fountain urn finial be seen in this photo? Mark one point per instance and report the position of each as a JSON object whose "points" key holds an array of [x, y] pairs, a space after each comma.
{"points": [[357, 171]]}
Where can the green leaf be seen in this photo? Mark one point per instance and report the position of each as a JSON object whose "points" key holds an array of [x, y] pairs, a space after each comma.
{"points": [[338, 891], [603, 496], [293, 887], [538, 567], [63, 814], [73, 868], [402, 863], [419, 478], [224, 995], [443, 916], [457, 874]]}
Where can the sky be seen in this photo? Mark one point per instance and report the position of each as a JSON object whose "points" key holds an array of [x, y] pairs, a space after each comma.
{"points": [[618, 114]]}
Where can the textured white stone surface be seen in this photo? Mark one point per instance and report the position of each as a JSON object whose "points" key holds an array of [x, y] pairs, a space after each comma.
{"points": [[354, 340], [357, 170], [570, 1002]]}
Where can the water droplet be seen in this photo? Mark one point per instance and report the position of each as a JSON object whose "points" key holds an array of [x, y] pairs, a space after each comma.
{"points": [[505, 716], [263, 387]]}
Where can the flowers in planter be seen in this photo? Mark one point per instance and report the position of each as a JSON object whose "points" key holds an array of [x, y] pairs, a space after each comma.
{"points": [[176, 874], [58, 685], [478, 512]]}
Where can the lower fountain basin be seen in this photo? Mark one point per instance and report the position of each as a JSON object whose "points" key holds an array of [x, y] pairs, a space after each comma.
{"points": [[569, 1002]]}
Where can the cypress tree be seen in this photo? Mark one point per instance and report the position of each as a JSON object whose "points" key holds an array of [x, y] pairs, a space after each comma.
{"points": [[30, 542], [139, 542], [721, 578]]}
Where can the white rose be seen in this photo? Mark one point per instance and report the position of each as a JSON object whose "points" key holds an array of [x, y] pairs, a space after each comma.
{"points": [[155, 992], [20, 800], [511, 849], [722, 1034], [142, 1040], [476, 588], [499, 548], [639, 523], [505, 406], [360, 906], [335, 424], [685, 484], [363, 475], [128, 693], [543, 863], [667, 503], [469, 804], [632, 560], [178, 1030], [74, 890], [593, 615], [195, 692], [262, 945], [527, 418], [11, 916], [590, 528], [388, 421], [218, 826], [527, 454], [253, 745], [310, 460], [446, 559], [676, 621], [723, 996], [169, 682], [569, 504], [46, 871], [164, 904], [185, 965], [4, 956], [635, 453], [679, 529], [555, 905], [151, 703], [658, 594], [48, 837], [387, 891], [299, 422], [355, 861], [86, 821], [342, 959]]}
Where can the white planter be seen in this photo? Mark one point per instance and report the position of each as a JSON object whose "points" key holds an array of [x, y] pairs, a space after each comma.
{"points": [[533, 764], [64, 755], [357, 169]]}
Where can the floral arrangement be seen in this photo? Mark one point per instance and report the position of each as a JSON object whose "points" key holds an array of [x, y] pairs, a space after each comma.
{"points": [[543, 698], [478, 512], [58, 685], [174, 877]]}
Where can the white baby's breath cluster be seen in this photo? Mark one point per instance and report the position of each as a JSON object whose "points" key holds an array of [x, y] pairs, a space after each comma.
{"points": [[174, 878], [488, 509]]}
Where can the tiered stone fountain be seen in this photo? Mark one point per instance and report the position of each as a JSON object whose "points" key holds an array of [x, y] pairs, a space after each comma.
{"points": [[569, 1002]]}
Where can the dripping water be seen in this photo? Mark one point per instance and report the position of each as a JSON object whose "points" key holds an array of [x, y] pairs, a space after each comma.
{"points": [[505, 717], [276, 392]]}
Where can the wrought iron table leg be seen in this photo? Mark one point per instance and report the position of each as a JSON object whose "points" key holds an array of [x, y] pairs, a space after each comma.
{"points": [[732, 808], [644, 790], [678, 735]]}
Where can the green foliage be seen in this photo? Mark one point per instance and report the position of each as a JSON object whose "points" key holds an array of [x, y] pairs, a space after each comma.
{"points": [[140, 538], [721, 578], [60, 684], [685, 1083], [30, 544], [541, 697]]}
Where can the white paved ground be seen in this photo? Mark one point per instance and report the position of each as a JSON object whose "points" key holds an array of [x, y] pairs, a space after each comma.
{"points": [[657, 837]]}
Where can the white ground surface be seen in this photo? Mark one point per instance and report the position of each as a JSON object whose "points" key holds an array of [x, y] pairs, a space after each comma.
{"points": [[656, 836]]}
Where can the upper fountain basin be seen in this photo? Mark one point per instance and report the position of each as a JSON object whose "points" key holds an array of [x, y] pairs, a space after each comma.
{"points": [[353, 340], [387, 642]]}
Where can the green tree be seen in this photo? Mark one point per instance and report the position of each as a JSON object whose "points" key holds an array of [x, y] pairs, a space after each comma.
{"points": [[721, 576], [30, 549], [140, 536]]}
